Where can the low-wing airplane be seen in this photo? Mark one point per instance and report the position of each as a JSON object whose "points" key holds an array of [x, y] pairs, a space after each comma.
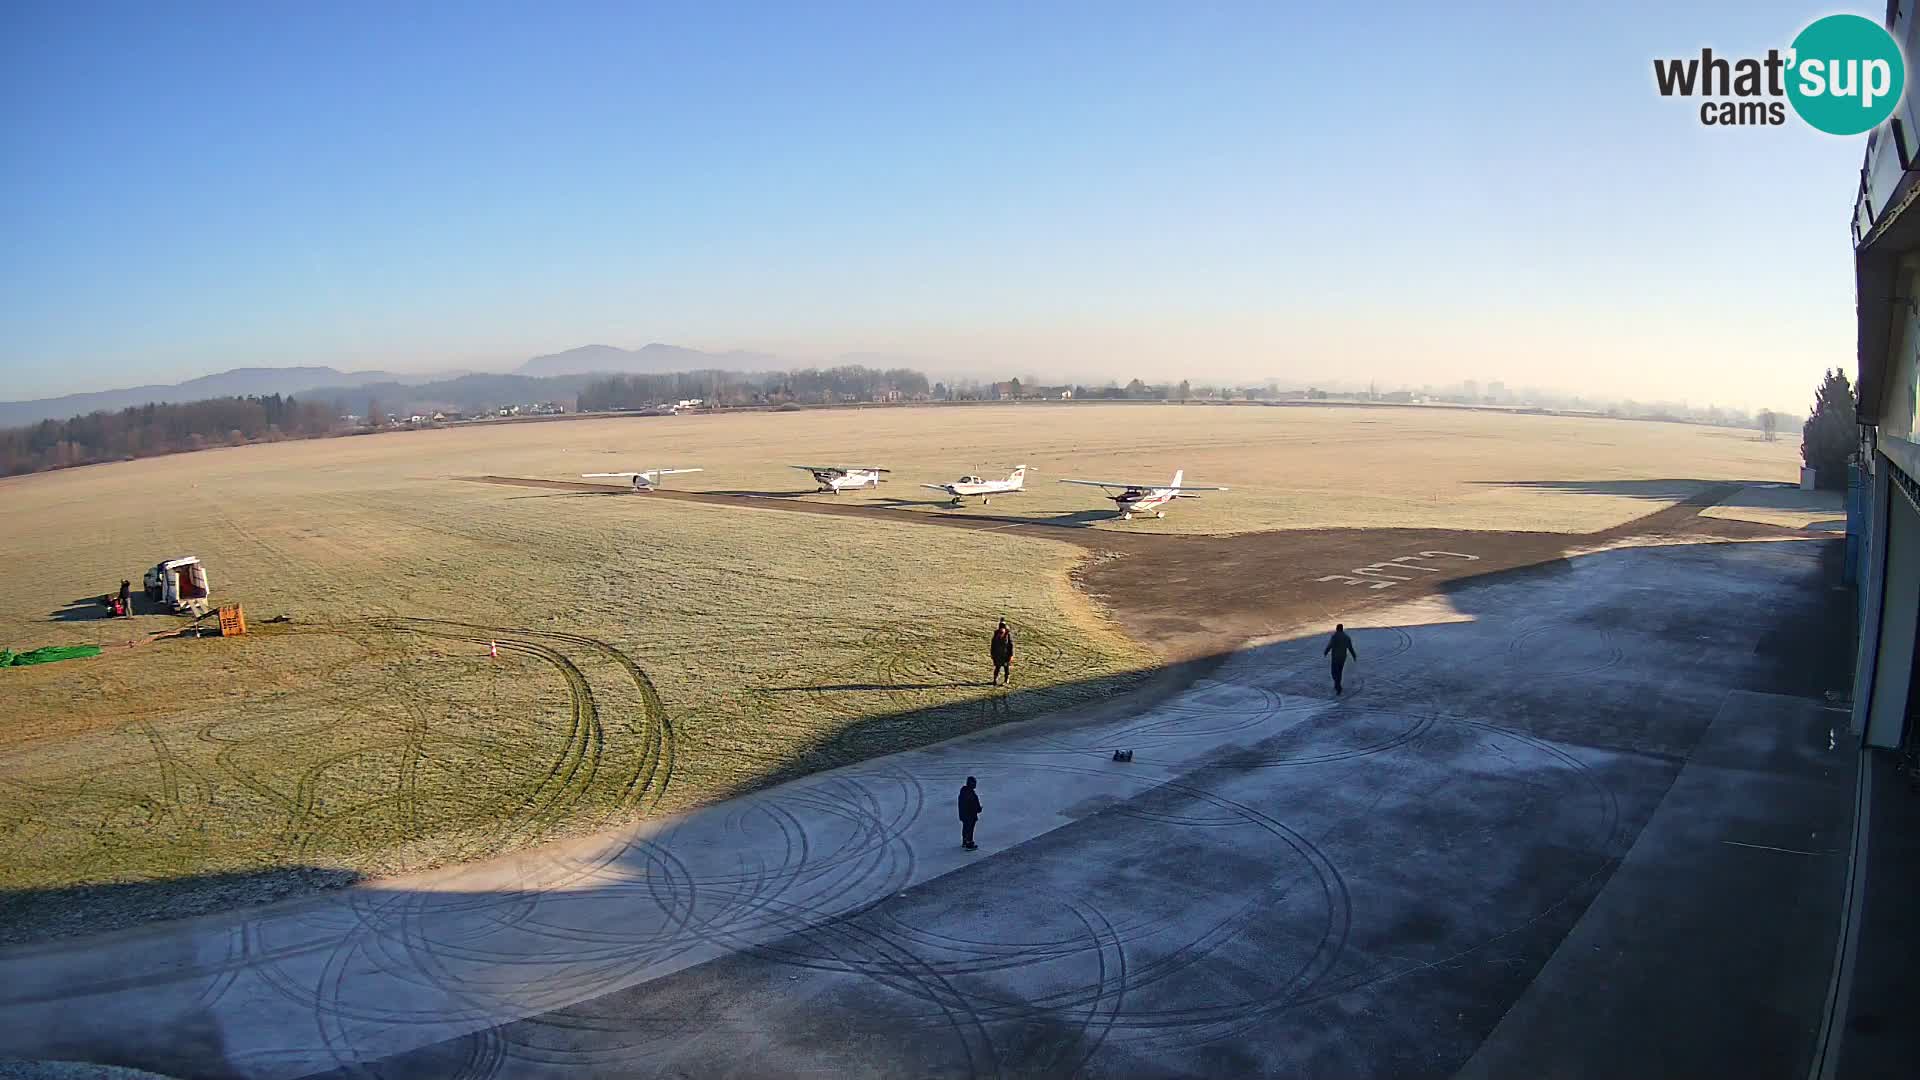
{"points": [[838, 478], [986, 489], [1139, 498], [642, 481]]}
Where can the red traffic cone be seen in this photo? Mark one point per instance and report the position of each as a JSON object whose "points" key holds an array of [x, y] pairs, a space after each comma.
{"points": [[493, 649]]}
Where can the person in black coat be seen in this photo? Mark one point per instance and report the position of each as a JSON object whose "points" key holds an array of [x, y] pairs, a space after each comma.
{"points": [[1340, 646], [969, 813], [1002, 653]]}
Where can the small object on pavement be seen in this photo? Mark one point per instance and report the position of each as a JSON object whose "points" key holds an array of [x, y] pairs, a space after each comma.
{"points": [[1123, 755]]}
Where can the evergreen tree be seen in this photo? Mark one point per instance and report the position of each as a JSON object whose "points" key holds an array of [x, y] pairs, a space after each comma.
{"points": [[1831, 433]]}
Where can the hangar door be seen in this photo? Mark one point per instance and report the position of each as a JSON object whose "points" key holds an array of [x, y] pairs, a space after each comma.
{"points": [[1893, 687]]}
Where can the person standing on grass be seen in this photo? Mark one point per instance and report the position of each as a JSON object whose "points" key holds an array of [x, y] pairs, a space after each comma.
{"points": [[1002, 652], [969, 813], [1340, 646]]}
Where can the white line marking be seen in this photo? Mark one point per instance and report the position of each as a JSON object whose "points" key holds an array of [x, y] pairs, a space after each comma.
{"points": [[1782, 850]]}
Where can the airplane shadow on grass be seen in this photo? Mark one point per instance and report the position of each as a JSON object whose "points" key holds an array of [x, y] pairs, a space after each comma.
{"points": [[1078, 519], [744, 494]]}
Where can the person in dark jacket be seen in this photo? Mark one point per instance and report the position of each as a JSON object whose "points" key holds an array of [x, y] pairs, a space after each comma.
{"points": [[1340, 646], [126, 598], [1002, 651], [969, 813]]}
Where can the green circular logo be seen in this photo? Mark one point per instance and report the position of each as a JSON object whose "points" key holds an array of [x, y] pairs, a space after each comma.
{"points": [[1845, 75]]}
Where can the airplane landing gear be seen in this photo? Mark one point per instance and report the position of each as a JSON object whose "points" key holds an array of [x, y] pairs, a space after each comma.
{"points": [[1126, 515], [1159, 513]]}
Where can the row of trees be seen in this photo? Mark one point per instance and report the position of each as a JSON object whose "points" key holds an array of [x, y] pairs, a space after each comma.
{"points": [[809, 386], [151, 430]]}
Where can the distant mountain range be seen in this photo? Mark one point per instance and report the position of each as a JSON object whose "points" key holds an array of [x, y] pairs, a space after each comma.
{"points": [[556, 376], [654, 359], [239, 382]]}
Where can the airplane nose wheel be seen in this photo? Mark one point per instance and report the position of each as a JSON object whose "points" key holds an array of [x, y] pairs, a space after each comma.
{"points": [[1159, 513], [1127, 516]]}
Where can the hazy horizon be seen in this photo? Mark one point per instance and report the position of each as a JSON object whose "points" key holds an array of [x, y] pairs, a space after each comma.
{"points": [[1399, 194]]}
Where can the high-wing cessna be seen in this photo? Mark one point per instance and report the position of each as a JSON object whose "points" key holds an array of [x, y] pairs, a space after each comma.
{"points": [[1140, 498], [642, 481], [838, 478], [986, 489]]}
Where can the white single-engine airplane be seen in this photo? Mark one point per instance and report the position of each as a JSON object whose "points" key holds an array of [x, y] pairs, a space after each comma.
{"points": [[838, 478], [642, 481], [1016, 481], [1139, 498]]}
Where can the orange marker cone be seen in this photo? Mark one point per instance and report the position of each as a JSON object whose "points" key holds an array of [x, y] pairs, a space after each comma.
{"points": [[493, 649]]}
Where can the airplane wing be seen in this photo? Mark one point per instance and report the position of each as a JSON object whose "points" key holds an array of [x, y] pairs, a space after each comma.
{"points": [[672, 472], [1190, 487], [611, 475], [938, 487], [1109, 483], [819, 470]]}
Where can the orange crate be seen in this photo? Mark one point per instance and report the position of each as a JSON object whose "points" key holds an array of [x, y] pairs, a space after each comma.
{"points": [[233, 620]]}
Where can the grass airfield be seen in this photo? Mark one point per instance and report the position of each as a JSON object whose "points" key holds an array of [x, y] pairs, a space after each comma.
{"points": [[1289, 467], [654, 655]]}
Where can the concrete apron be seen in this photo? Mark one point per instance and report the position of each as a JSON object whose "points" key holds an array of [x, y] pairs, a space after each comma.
{"points": [[1279, 879]]}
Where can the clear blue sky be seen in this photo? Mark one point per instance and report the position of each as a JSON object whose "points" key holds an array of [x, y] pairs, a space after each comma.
{"points": [[1411, 192]]}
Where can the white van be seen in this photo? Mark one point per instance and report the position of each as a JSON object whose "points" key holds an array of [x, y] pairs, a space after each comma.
{"points": [[180, 585]]}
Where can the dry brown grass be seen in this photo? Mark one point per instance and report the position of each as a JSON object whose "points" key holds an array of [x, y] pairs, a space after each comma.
{"points": [[1289, 468], [1787, 507], [374, 734]]}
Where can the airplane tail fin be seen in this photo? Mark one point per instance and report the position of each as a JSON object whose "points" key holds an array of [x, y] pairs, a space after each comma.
{"points": [[1018, 477], [1177, 474]]}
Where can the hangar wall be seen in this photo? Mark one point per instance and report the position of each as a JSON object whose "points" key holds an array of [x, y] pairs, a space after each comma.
{"points": [[1884, 687], [1889, 722], [1886, 236]]}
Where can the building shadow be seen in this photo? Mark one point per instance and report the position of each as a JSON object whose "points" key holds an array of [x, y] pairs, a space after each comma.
{"points": [[1665, 490], [1562, 689], [868, 686]]}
